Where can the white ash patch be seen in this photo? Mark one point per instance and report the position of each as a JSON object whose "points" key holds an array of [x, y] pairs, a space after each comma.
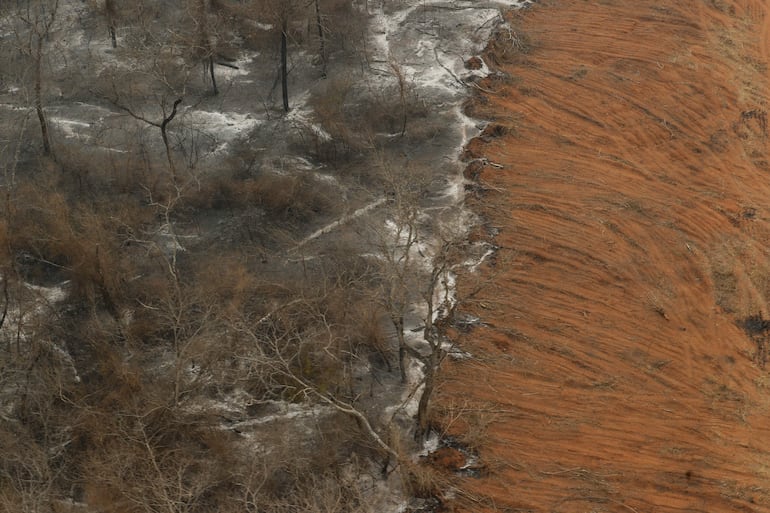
{"points": [[288, 163], [20, 318], [341, 221], [262, 26], [21, 323], [473, 264], [225, 126], [410, 397], [431, 445], [455, 352], [8, 106], [169, 241], [300, 117], [470, 128], [71, 128], [242, 67], [322, 177], [482, 72], [230, 406], [294, 412], [50, 295]]}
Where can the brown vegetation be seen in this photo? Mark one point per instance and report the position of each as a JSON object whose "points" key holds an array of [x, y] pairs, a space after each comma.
{"points": [[632, 192]]}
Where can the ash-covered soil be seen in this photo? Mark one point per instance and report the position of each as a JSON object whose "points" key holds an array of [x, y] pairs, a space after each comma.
{"points": [[208, 264]]}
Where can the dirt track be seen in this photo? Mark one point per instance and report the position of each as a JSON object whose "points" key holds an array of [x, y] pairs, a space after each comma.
{"points": [[634, 212]]}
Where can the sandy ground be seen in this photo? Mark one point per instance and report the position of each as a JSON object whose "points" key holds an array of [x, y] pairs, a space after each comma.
{"points": [[616, 372]]}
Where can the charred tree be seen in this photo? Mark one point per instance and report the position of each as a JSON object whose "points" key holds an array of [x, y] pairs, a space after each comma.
{"points": [[205, 48], [112, 14], [284, 66], [45, 133], [162, 125], [321, 38], [35, 20]]}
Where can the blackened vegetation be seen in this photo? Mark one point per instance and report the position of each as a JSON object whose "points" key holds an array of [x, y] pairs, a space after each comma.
{"points": [[458, 458], [758, 328], [171, 340], [752, 122]]}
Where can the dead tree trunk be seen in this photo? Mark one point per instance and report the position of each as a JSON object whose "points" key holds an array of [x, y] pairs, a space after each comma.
{"points": [[113, 37], [432, 362], [284, 66], [215, 89], [321, 38], [109, 7], [398, 323], [39, 97], [438, 316], [38, 18], [205, 48], [164, 135], [401, 77], [163, 126]]}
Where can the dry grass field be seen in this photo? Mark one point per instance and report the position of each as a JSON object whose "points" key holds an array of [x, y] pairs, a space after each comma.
{"points": [[623, 364]]}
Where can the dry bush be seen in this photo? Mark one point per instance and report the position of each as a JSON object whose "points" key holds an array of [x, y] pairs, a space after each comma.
{"points": [[324, 473], [255, 39], [296, 198], [422, 480], [366, 331], [387, 108], [341, 16], [507, 46], [224, 280], [36, 387], [324, 492], [60, 239], [354, 119], [351, 304], [344, 136], [127, 461], [112, 383], [258, 27], [471, 430], [154, 462], [303, 343], [102, 174], [309, 326], [38, 228]]}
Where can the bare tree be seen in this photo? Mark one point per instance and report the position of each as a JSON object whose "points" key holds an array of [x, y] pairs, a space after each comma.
{"points": [[169, 57], [284, 21], [440, 306], [32, 23], [398, 72], [321, 37], [27, 473], [111, 12], [138, 468], [162, 125], [296, 349], [282, 13], [204, 44], [399, 247], [35, 381], [416, 258], [188, 324]]}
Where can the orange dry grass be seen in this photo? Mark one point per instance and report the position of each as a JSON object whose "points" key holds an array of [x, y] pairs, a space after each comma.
{"points": [[636, 197]]}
